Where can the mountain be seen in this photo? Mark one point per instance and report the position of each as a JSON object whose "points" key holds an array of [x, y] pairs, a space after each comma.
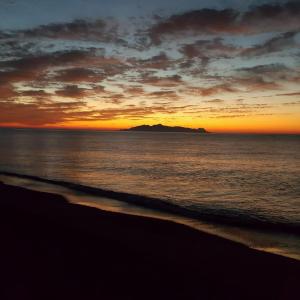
{"points": [[162, 128]]}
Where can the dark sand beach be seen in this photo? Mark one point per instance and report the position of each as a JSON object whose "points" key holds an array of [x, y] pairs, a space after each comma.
{"points": [[51, 249]]}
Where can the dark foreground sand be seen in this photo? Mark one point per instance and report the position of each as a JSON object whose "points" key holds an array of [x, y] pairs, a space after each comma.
{"points": [[51, 249]]}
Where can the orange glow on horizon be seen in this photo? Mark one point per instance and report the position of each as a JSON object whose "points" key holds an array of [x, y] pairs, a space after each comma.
{"points": [[259, 124]]}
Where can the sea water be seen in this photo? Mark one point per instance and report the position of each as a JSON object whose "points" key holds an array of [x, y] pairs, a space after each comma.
{"points": [[246, 181]]}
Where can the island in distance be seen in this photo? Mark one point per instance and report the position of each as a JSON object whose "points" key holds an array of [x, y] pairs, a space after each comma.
{"points": [[162, 128]]}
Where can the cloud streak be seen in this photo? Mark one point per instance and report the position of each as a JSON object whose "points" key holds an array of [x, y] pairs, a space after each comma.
{"points": [[264, 18]]}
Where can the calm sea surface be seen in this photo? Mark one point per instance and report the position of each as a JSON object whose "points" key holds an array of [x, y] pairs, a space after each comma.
{"points": [[247, 178]]}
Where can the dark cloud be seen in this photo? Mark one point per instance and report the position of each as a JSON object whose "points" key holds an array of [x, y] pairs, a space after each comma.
{"points": [[198, 55], [265, 69], [237, 84], [168, 81], [72, 91], [163, 95], [273, 17], [34, 67], [113, 98], [97, 30], [77, 75], [160, 61], [134, 90], [291, 103], [208, 48], [264, 18], [268, 77], [230, 116], [80, 66], [39, 114], [205, 21], [6, 90], [217, 89], [289, 94], [216, 101], [256, 83], [49, 59], [16, 47], [33, 93], [276, 44], [4, 35]]}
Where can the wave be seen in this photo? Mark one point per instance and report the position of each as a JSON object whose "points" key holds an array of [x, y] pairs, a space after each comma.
{"points": [[205, 214]]}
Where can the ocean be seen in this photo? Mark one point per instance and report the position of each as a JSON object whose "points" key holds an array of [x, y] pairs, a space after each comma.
{"points": [[243, 187]]}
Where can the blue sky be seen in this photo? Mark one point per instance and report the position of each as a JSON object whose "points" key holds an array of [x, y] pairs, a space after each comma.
{"points": [[28, 13]]}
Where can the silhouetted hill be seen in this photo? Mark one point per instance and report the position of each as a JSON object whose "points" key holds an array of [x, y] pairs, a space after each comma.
{"points": [[162, 128]]}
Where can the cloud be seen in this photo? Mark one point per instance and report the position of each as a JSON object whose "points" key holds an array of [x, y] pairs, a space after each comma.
{"points": [[47, 59], [213, 90], [4, 35], [160, 61], [208, 48], [290, 94], [273, 17], [276, 44], [291, 103], [264, 18], [74, 66], [77, 75], [209, 21], [167, 81], [40, 113], [256, 83], [16, 47], [265, 76], [33, 93], [6, 90], [230, 116], [34, 67], [72, 91], [135, 112], [233, 84], [95, 30], [57, 68], [269, 69], [216, 101], [204, 51], [163, 95], [233, 111], [113, 98], [134, 90]]}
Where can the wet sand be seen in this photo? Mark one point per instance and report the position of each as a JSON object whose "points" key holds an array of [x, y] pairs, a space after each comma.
{"points": [[51, 249]]}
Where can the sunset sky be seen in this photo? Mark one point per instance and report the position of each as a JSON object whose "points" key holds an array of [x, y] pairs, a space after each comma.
{"points": [[228, 66]]}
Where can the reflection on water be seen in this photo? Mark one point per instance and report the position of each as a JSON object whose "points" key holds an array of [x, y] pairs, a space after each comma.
{"points": [[244, 177]]}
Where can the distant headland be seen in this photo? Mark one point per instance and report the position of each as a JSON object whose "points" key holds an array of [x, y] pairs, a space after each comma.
{"points": [[162, 128]]}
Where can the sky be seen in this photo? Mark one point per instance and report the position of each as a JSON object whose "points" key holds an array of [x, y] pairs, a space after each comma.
{"points": [[227, 66]]}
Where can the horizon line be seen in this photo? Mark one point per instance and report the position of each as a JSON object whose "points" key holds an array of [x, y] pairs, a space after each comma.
{"points": [[123, 129]]}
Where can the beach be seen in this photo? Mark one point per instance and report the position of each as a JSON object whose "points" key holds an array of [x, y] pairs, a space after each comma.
{"points": [[52, 249]]}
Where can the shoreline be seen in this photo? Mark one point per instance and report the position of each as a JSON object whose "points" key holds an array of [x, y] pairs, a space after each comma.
{"points": [[99, 254], [162, 205], [280, 242]]}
